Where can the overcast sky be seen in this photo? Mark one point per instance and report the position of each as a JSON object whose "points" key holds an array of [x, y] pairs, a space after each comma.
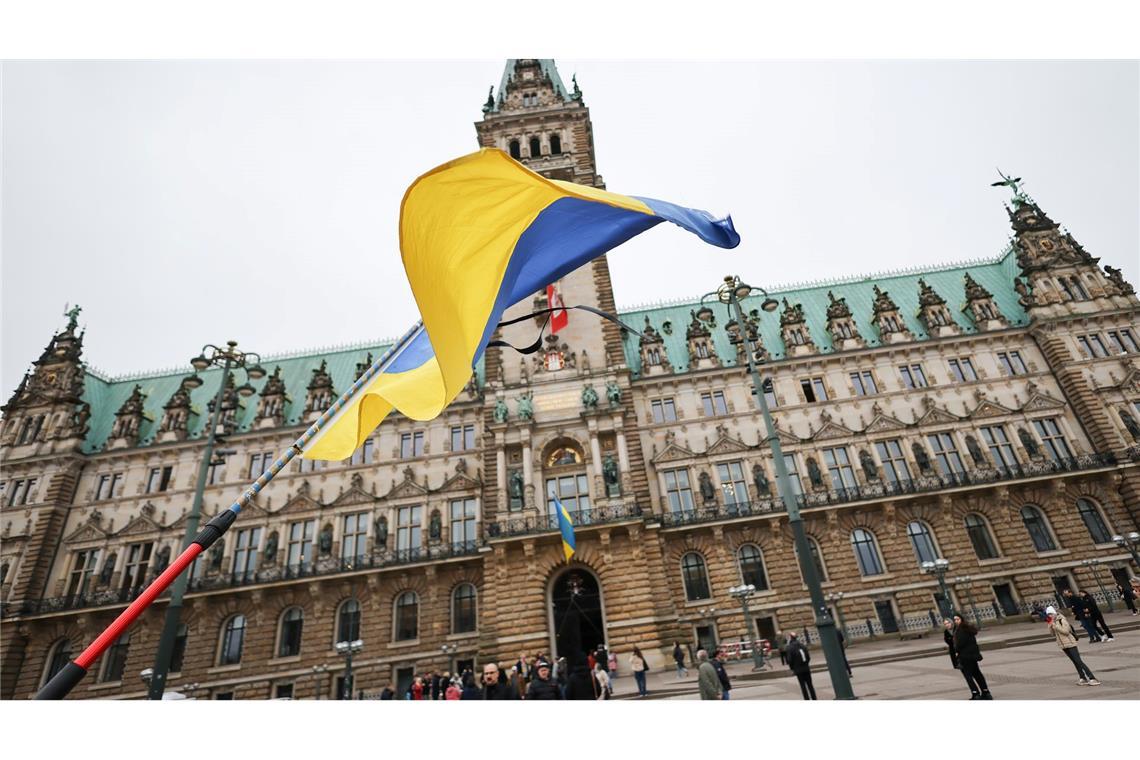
{"points": [[182, 203]]}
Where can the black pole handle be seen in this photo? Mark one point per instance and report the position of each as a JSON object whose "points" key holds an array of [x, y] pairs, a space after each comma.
{"points": [[62, 682]]}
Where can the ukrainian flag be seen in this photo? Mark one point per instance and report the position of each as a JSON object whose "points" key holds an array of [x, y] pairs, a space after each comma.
{"points": [[566, 528], [477, 235]]}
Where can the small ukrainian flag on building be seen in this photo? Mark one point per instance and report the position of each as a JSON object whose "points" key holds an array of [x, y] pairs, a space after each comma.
{"points": [[566, 528]]}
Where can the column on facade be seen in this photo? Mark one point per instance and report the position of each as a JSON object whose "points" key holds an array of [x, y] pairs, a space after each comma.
{"points": [[528, 470], [501, 469]]}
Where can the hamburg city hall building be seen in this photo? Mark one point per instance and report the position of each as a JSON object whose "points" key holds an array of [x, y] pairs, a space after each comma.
{"points": [[987, 413]]}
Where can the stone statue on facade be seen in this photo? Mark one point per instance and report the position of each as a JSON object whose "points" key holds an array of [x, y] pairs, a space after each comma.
{"points": [[611, 477], [161, 559], [708, 492], [921, 458], [1116, 278], [381, 532], [760, 480], [526, 406], [814, 475], [72, 315], [975, 450], [216, 554], [1028, 442], [501, 412], [613, 393], [271, 547], [589, 397], [108, 569], [435, 526], [870, 469], [324, 540], [515, 487]]}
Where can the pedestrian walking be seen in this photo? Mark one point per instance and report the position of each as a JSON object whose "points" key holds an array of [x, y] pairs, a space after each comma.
{"points": [[782, 645], [469, 689], [721, 674], [1080, 612], [389, 692], [561, 675], [543, 686], [969, 655], [679, 658], [453, 692], [1063, 632], [799, 660], [639, 667], [708, 682], [1096, 616], [602, 657], [495, 687], [1125, 592], [948, 637], [418, 688], [602, 687]]}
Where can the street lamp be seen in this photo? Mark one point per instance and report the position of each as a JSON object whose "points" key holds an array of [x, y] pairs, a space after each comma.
{"points": [[449, 651], [939, 568], [346, 649], [730, 293], [743, 592], [1129, 542], [835, 598], [318, 671], [1091, 564], [228, 358], [965, 580]]}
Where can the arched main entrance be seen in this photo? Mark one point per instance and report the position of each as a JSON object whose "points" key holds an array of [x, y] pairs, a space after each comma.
{"points": [[578, 617]]}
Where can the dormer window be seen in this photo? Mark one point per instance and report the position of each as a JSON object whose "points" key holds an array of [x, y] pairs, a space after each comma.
{"points": [[843, 330], [1073, 288], [530, 99], [653, 357], [891, 324], [797, 337]]}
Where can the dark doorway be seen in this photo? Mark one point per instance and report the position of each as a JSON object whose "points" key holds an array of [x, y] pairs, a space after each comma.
{"points": [[886, 613], [945, 606], [577, 591], [767, 627], [404, 677], [462, 666], [706, 638], [1061, 583], [1008, 604]]}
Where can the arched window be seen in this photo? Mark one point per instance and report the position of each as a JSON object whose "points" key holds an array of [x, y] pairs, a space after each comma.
{"points": [[463, 608], [980, 537], [1038, 529], [289, 643], [866, 552], [407, 616], [348, 621], [58, 656], [555, 145], [516, 151], [752, 566], [233, 636], [695, 576], [535, 147], [115, 661], [816, 557], [922, 541], [1093, 520]]}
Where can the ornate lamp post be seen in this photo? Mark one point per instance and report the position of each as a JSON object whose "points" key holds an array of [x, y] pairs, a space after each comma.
{"points": [[965, 579], [346, 649], [1092, 565], [318, 671], [1129, 542], [211, 356], [730, 294], [449, 651], [835, 598], [743, 592], [939, 568]]}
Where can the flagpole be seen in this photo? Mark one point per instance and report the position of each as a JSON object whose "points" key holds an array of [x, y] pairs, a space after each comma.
{"points": [[71, 674]]}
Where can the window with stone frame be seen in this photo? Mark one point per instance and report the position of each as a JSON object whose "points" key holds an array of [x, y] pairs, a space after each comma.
{"points": [[1053, 439], [310, 465], [555, 145], [83, 567], [158, 479], [135, 568], [462, 437], [750, 558], [1094, 522], [115, 660], [813, 389], [864, 383], [839, 467], [793, 474], [247, 544], [1001, 449], [463, 609], [58, 656], [678, 490], [695, 577], [922, 541], [535, 147], [573, 493], [1092, 345], [409, 531], [411, 444], [464, 514], [233, 638], [217, 473], [1038, 529], [946, 454], [354, 537], [866, 552], [30, 429], [515, 150], [299, 547], [663, 410], [981, 538], [348, 621], [21, 492], [109, 486], [283, 691], [962, 370], [1011, 362], [913, 376], [363, 453], [1073, 288], [1122, 341], [714, 403], [769, 393], [817, 559], [407, 616], [732, 482], [259, 463], [289, 639], [893, 461]]}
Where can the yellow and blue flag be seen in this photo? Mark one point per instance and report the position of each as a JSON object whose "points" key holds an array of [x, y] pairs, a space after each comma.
{"points": [[477, 235], [566, 528]]}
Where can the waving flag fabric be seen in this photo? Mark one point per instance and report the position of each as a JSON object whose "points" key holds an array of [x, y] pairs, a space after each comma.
{"points": [[560, 318], [477, 235], [566, 528]]}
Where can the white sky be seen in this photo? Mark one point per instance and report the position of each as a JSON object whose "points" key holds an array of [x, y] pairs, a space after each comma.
{"points": [[182, 203]]}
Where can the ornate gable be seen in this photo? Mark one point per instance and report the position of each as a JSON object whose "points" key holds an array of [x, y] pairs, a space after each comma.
{"points": [[832, 429], [884, 422], [726, 444], [935, 415], [86, 532], [1038, 400], [460, 482], [987, 408], [355, 493], [672, 452], [139, 526], [302, 501]]}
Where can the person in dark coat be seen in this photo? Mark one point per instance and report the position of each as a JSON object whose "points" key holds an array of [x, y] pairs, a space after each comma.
{"points": [[969, 655], [388, 692], [1125, 591], [470, 690], [1080, 612], [799, 660], [679, 658], [948, 637], [543, 686], [721, 674], [496, 687], [1096, 616]]}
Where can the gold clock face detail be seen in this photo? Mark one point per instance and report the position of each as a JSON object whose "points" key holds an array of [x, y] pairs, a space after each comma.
{"points": [[1046, 245]]}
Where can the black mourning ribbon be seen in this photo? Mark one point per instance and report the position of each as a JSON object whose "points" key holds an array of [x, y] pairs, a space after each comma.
{"points": [[548, 312]]}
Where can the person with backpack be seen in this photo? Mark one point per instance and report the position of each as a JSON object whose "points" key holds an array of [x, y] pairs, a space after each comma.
{"points": [[799, 660], [1126, 593], [1063, 632], [969, 655], [639, 667]]}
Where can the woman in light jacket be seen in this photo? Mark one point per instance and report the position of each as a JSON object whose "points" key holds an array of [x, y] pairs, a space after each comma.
{"points": [[638, 666], [1063, 632]]}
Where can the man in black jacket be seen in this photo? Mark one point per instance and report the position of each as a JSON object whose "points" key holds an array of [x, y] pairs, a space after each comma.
{"points": [[721, 673], [543, 686], [1096, 616], [799, 660], [494, 686], [1081, 613]]}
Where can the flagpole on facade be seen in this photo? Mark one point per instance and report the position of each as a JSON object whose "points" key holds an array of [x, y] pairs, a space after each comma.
{"points": [[71, 674]]}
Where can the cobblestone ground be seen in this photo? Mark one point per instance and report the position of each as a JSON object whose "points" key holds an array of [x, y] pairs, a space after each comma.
{"points": [[1027, 671]]}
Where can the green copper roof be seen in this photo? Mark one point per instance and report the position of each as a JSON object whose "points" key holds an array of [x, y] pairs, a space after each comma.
{"points": [[106, 396], [995, 275], [548, 68]]}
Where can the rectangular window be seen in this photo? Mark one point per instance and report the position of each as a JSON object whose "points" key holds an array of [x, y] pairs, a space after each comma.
{"points": [[864, 383], [1011, 362], [732, 482], [893, 462], [793, 474], [962, 370], [299, 551], [363, 455], [1054, 441], [1000, 448], [813, 389], [245, 553], [678, 490], [216, 473], [354, 537], [158, 479], [138, 560], [946, 454], [462, 437], [20, 492], [310, 465], [103, 488], [259, 463], [714, 403], [1092, 345], [663, 410], [572, 492], [411, 444], [283, 691], [769, 393], [408, 521], [81, 571], [839, 465], [1122, 341], [463, 522], [913, 376]]}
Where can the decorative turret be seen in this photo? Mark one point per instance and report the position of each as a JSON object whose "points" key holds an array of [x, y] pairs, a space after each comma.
{"points": [[128, 420], [794, 329], [981, 307], [321, 393], [271, 407], [841, 324], [751, 332], [177, 411], [230, 405], [885, 315], [702, 352], [654, 359], [933, 312]]}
